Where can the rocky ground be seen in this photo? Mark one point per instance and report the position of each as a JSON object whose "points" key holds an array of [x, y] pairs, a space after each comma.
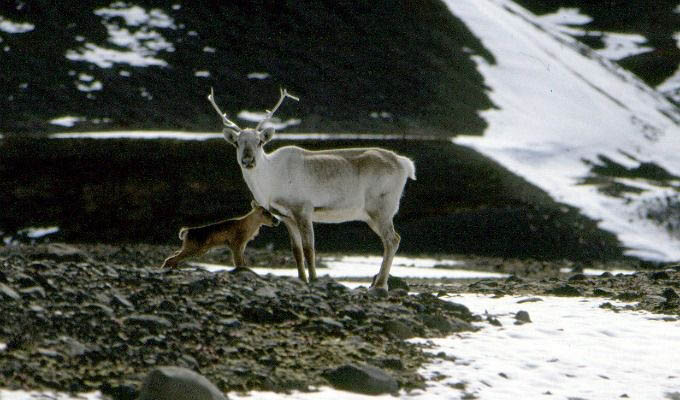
{"points": [[99, 317], [84, 317]]}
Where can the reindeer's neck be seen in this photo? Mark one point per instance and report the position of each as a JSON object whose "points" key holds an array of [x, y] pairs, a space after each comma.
{"points": [[259, 180]]}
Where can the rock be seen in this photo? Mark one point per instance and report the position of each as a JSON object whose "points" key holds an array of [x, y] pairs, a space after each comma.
{"points": [[659, 275], [361, 379], [73, 348], [564, 290], [230, 323], [119, 299], [530, 300], [493, 321], [602, 293], [390, 363], [522, 317], [63, 252], [330, 324], [354, 312], [670, 294], [176, 383], [446, 325], [398, 329], [7, 292], [394, 283], [577, 277], [267, 292], [152, 322], [34, 292]]}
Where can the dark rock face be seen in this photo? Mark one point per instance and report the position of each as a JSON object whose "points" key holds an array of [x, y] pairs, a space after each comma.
{"points": [[522, 317], [104, 323], [176, 383], [362, 379]]}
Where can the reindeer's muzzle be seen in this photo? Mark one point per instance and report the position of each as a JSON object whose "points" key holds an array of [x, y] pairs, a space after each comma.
{"points": [[248, 162]]}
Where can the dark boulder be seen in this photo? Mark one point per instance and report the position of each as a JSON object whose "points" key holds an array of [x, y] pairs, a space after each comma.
{"points": [[361, 379], [176, 383]]}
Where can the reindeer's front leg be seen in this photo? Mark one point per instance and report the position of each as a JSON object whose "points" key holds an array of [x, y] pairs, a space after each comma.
{"points": [[304, 223], [296, 247], [237, 252]]}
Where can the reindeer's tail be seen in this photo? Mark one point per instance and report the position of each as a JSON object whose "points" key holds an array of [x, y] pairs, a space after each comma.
{"points": [[183, 233], [409, 166]]}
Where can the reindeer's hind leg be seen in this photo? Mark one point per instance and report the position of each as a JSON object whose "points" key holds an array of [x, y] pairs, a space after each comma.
{"points": [[304, 223], [390, 240], [186, 251]]}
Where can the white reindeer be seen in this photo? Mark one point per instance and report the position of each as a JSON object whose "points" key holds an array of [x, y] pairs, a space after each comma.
{"points": [[330, 186]]}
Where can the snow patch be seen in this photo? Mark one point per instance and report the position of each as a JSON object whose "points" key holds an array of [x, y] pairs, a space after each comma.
{"points": [[8, 26], [621, 45], [202, 74], [367, 266], [275, 123], [66, 121], [258, 75], [617, 45], [577, 107], [572, 349], [140, 37], [38, 232]]}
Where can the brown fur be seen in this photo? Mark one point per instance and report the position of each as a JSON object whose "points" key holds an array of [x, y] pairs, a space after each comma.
{"points": [[234, 233]]}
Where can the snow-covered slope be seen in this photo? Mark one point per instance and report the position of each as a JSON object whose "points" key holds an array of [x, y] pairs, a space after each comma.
{"points": [[575, 124]]}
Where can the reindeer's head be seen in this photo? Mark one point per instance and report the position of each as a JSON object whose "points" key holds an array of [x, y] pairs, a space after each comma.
{"points": [[249, 142]]}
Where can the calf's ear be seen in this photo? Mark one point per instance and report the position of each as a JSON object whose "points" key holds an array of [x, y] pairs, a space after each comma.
{"points": [[254, 204]]}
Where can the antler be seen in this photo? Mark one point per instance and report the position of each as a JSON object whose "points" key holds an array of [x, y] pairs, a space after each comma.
{"points": [[228, 123], [270, 114]]}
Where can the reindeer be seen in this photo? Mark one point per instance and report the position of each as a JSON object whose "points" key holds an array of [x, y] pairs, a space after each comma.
{"points": [[330, 186], [235, 233]]}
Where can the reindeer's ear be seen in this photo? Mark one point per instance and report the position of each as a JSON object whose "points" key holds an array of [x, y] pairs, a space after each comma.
{"points": [[230, 135], [253, 204], [266, 135]]}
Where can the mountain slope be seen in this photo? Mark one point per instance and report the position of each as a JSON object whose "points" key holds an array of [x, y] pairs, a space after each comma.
{"points": [[578, 126]]}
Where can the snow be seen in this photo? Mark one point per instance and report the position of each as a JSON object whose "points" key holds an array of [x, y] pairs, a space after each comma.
{"points": [[367, 266], [258, 75], [595, 271], [621, 45], [617, 46], [576, 106], [140, 38], [38, 232], [571, 349], [67, 121], [8, 26], [276, 123], [202, 74]]}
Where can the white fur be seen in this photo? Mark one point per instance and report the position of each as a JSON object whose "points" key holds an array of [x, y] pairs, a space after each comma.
{"points": [[330, 186]]}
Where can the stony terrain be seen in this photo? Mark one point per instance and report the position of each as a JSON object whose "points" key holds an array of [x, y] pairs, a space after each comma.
{"points": [[83, 317], [99, 317]]}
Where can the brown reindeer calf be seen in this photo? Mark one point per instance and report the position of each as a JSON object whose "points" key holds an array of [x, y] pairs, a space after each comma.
{"points": [[235, 233]]}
